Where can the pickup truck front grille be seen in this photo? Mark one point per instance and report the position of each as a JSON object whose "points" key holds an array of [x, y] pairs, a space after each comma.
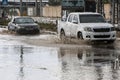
{"points": [[101, 29], [101, 36]]}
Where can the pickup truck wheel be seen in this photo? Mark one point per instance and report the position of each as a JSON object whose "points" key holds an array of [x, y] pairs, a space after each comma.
{"points": [[62, 35], [9, 28], [80, 35]]}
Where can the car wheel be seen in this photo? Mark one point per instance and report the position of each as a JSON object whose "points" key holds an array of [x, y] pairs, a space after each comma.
{"points": [[9, 28], [38, 32], [62, 36], [16, 30], [79, 35]]}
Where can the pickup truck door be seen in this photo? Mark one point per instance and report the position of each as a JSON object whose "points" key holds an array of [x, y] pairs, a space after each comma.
{"points": [[69, 25], [74, 26]]}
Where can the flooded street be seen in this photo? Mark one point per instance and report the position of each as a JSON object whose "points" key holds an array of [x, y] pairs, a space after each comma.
{"points": [[28, 63], [21, 60]]}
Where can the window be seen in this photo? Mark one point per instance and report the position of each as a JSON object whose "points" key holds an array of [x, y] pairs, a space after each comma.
{"points": [[75, 19], [70, 18]]}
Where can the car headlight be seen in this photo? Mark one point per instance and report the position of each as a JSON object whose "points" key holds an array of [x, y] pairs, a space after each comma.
{"points": [[88, 29], [19, 26], [112, 28]]}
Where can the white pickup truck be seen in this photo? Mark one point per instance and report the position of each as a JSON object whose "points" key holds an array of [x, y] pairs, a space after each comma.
{"points": [[87, 26]]}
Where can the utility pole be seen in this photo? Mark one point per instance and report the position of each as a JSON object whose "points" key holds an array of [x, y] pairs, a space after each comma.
{"points": [[27, 7], [100, 7], [40, 7], [36, 7], [20, 7], [14, 7]]}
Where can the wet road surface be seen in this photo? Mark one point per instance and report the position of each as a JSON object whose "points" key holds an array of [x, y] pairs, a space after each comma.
{"points": [[22, 61]]}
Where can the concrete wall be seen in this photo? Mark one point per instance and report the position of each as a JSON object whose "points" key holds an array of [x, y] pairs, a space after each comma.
{"points": [[52, 11], [55, 11], [107, 9]]}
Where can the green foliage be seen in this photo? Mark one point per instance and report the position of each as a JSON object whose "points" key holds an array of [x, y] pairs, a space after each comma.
{"points": [[106, 1], [4, 21], [58, 2], [54, 2], [48, 26]]}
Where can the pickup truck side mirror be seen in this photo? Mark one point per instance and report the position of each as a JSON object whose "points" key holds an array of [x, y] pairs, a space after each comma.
{"points": [[64, 19], [14, 22], [75, 22]]}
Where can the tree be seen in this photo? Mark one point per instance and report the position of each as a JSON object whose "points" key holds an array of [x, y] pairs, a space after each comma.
{"points": [[54, 2], [106, 1]]}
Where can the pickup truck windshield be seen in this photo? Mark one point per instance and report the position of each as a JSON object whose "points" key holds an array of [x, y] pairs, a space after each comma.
{"points": [[91, 19]]}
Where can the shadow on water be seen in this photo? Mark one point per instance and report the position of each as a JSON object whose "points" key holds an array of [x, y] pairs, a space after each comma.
{"points": [[95, 63]]}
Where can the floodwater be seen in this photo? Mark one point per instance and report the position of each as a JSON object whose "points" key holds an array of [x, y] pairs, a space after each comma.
{"points": [[20, 61]]}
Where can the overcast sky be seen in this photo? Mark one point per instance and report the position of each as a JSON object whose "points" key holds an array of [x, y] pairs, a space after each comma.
{"points": [[27, 0]]}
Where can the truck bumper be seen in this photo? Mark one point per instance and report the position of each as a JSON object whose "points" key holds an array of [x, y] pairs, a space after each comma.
{"points": [[99, 35]]}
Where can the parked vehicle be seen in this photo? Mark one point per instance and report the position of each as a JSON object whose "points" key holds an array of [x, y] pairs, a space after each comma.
{"points": [[23, 24], [87, 26]]}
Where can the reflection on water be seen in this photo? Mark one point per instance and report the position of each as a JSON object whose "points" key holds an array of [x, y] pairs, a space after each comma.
{"points": [[21, 73], [90, 64], [98, 57], [29, 63], [45, 63]]}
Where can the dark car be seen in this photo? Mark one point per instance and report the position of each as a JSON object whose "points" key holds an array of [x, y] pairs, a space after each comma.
{"points": [[23, 24]]}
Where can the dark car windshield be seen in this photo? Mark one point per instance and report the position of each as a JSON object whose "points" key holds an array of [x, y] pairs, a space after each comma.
{"points": [[24, 20], [91, 19]]}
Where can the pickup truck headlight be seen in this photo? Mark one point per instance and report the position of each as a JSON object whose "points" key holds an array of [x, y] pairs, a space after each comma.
{"points": [[88, 29], [112, 28]]}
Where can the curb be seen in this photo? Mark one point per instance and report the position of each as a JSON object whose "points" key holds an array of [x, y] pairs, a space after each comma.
{"points": [[1, 26]]}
